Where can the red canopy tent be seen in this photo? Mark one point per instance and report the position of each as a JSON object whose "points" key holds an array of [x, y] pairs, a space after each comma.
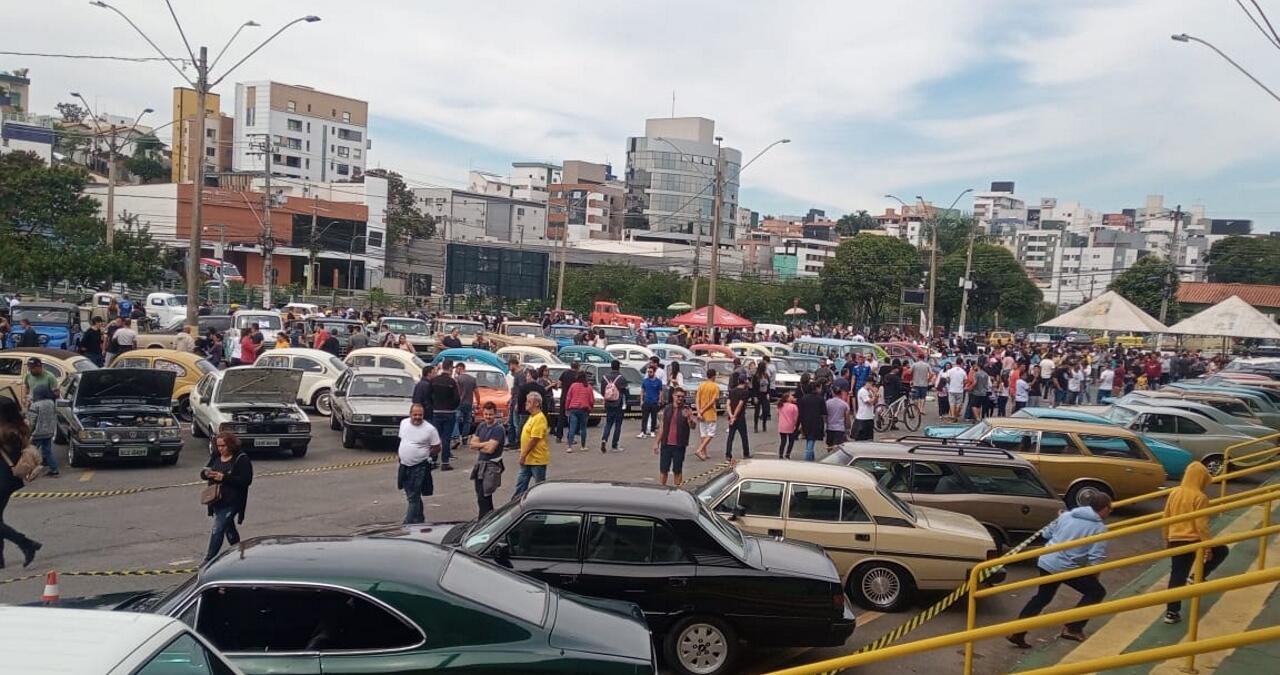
{"points": [[724, 319]]}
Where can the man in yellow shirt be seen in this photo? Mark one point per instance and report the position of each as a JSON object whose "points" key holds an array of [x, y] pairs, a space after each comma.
{"points": [[534, 453], [707, 394]]}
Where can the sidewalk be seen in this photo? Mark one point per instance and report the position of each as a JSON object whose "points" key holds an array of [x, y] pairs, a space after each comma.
{"points": [[1232, 612]]}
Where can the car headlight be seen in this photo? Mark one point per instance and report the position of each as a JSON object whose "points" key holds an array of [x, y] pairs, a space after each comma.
{"points": [[235, 428], [93, 435], [169, 432], [299, 428], [360, 418]]}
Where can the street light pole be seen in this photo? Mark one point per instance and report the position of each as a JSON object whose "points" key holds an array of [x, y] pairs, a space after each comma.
{"points": [[1183, 37], [932, 223], [717, 209], [968, 269], [202, 85]]}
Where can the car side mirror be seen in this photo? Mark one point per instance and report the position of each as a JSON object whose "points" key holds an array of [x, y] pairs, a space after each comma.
{"points": [[502, 553], [738, 512]]}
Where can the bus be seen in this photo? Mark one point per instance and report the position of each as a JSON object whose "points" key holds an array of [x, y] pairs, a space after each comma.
{"points": [[811, 349], [220, 270]]}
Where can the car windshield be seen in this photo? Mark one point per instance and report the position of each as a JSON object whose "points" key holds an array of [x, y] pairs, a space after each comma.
{"points": [[1120, 415], [729, 536], [782, 367], [692, 371], [631, 374], [564, 331], [613, 331], [523, 330], [264, 321], [495, 588], [337, 364], [174, 301], [467, 328], [392, 386], [713, 488], [408, 326], [974, 432], [205, 366], [488, 379], [42, 315], [82, 365], [490, 526]]}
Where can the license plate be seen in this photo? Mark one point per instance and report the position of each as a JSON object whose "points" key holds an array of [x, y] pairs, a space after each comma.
{"points": [[266, 443], [390, 431], [133, 451]]}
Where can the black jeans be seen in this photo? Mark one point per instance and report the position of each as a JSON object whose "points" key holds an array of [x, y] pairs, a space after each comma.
{"points": [[762, 411], [485, 502], [739, 426], [649, 418], [1180, 567], [1090, 589], [785, 443], [6, 531]]}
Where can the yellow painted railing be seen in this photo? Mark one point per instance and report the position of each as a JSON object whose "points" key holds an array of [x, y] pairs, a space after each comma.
{"points": [[1227, 458], [1245, 580]]}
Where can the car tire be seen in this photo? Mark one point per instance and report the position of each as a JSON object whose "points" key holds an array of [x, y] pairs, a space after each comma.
{"points": [[1214, 464], [196, 431], [1079, 493], [881, 586], [299, 451], [348, 437], [701, 645], [334, 423], [184, 409], [74, 458], [323, 403]]}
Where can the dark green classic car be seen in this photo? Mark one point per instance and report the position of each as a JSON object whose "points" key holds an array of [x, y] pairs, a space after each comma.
{"points": [[334, 605]]}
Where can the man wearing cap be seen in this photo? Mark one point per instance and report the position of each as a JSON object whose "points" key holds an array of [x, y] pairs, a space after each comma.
{"points": [[37, 376]]}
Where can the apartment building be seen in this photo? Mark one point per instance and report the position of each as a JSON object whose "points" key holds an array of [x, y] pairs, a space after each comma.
{"points": [[315, 136], [802, 258], [477, 216]]}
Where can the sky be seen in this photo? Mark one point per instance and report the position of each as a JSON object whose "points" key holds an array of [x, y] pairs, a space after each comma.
{"points": [[1083, 101]]}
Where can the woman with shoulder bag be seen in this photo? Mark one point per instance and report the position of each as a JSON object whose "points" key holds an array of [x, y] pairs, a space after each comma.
{"points": [[14, 437], [229, 474]]}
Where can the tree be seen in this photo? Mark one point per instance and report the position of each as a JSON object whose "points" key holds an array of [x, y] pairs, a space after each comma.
{"points": [[853, 223], [1246, 260], [953, 233], [404, 221], [71, 113], [867, 274], [147, 170], [1001, 287], [1144, 284]]}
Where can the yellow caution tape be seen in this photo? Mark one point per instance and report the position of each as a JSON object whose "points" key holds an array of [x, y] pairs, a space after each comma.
{"points": [[106, 573]]}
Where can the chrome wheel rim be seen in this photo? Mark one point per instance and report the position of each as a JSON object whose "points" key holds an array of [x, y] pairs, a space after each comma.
{"points": [[702, 649], [1214, 465], [324, 405], [881, 586], [1085, 495]]}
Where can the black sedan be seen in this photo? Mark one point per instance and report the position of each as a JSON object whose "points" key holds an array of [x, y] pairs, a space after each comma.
{"points": [[705, 587], [121, 414]]}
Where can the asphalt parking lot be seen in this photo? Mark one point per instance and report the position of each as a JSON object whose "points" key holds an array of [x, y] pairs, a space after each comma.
{"points": [[167, 528]]}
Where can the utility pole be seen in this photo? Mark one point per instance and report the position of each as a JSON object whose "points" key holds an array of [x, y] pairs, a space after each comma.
{"points": [[717, 209], [697, 257], [968, 269], [933, 260], [268, 239], [564, 252], [312, 248], [1173, 261]]}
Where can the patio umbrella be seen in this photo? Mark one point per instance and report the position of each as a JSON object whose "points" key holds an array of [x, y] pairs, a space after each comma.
{"points": [[679, 307], [1108, 312], [1233, 318], [795, 311]]}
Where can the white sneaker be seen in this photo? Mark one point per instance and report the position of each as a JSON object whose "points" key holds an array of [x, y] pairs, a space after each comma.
{"points": [[569, 450], [642, 435]]}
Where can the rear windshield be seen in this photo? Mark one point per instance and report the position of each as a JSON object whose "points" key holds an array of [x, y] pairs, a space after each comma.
{"points": [[495, 588]]}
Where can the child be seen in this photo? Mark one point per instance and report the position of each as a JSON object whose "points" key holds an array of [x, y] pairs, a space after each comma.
{"points": [[42, 417], [788, 423]]}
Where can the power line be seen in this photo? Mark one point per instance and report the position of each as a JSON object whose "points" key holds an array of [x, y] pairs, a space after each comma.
{"points": [[96, 57]]}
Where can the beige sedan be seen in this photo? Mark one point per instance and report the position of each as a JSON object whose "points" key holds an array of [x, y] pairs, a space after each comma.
{"points": [[884, 548]]}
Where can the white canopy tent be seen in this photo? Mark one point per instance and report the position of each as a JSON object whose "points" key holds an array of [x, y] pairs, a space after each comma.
{"points": [[1232, 317], [1108, 312]]}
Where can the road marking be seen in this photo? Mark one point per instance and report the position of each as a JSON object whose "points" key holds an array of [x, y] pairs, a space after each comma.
{"points": [[867, 617], [1232, 613], [1116, 636], [86, 476]]}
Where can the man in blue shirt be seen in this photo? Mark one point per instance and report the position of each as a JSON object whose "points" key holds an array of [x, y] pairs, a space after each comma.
{"points": [[861, 372], [651, 386]]}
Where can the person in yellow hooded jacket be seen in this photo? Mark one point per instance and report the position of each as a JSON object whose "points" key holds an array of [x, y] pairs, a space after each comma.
{"points": [[1186, 498]]}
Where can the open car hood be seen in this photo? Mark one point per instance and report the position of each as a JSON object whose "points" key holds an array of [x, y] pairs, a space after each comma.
{"points": [[259, 385], [145, 386]]}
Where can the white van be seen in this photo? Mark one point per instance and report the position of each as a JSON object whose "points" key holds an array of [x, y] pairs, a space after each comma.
{"points": [[166, 308]]}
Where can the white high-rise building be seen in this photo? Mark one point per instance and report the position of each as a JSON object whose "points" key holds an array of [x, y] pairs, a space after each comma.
{"points": [[314, 136]]}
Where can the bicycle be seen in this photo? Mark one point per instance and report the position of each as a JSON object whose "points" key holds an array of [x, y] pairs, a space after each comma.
{"points": [[901, 409]]}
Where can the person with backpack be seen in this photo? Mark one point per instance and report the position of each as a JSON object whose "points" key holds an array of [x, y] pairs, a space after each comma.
{"points": [[614, 386]]}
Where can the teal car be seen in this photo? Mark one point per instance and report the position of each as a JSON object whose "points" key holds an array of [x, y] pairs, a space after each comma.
{"points": [[348, 605], [1173, 458], [585, 354]]}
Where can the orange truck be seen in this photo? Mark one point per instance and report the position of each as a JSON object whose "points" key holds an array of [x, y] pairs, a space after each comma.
{"points": [[607, 314]]}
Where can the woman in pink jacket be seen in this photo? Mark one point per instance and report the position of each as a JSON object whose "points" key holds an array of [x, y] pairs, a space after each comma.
{"points": [[578, 401], [788, 417]]}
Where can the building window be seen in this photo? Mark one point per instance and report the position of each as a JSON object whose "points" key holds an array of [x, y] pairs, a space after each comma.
{"points": [[343, 169], [294, 162], [291, 106], [375, 239], [248, 116], [346, 117], [308, 146], [295, 125], [344, 151], [307, 163], [349, 135], [276, 158], [520, 211], [293, 143], [211, 152], [356, 153], [333, 112], [332, 148]]}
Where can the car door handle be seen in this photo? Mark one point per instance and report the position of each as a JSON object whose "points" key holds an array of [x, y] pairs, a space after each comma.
{"points": [[775, 533], [679, 582], [862, 537]]}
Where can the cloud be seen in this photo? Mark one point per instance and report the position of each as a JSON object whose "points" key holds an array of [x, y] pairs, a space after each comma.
{"points": [[877, 97]]}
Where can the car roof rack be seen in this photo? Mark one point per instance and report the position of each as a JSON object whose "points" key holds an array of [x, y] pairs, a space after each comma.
{"points": [[930, 440], [960, 450]]}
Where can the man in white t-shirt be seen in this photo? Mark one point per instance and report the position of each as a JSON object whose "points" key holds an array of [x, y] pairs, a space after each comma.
{"points": [[864, 418], [419, 442], [1046, 367], [1106, 379], [956, 376]]}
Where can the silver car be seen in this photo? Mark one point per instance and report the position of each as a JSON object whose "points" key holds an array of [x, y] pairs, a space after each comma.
{"points": [[369, 403], [257, 404]]}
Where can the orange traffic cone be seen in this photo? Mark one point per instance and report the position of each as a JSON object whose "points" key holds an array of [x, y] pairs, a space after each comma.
{"points": [[50, 594]]}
